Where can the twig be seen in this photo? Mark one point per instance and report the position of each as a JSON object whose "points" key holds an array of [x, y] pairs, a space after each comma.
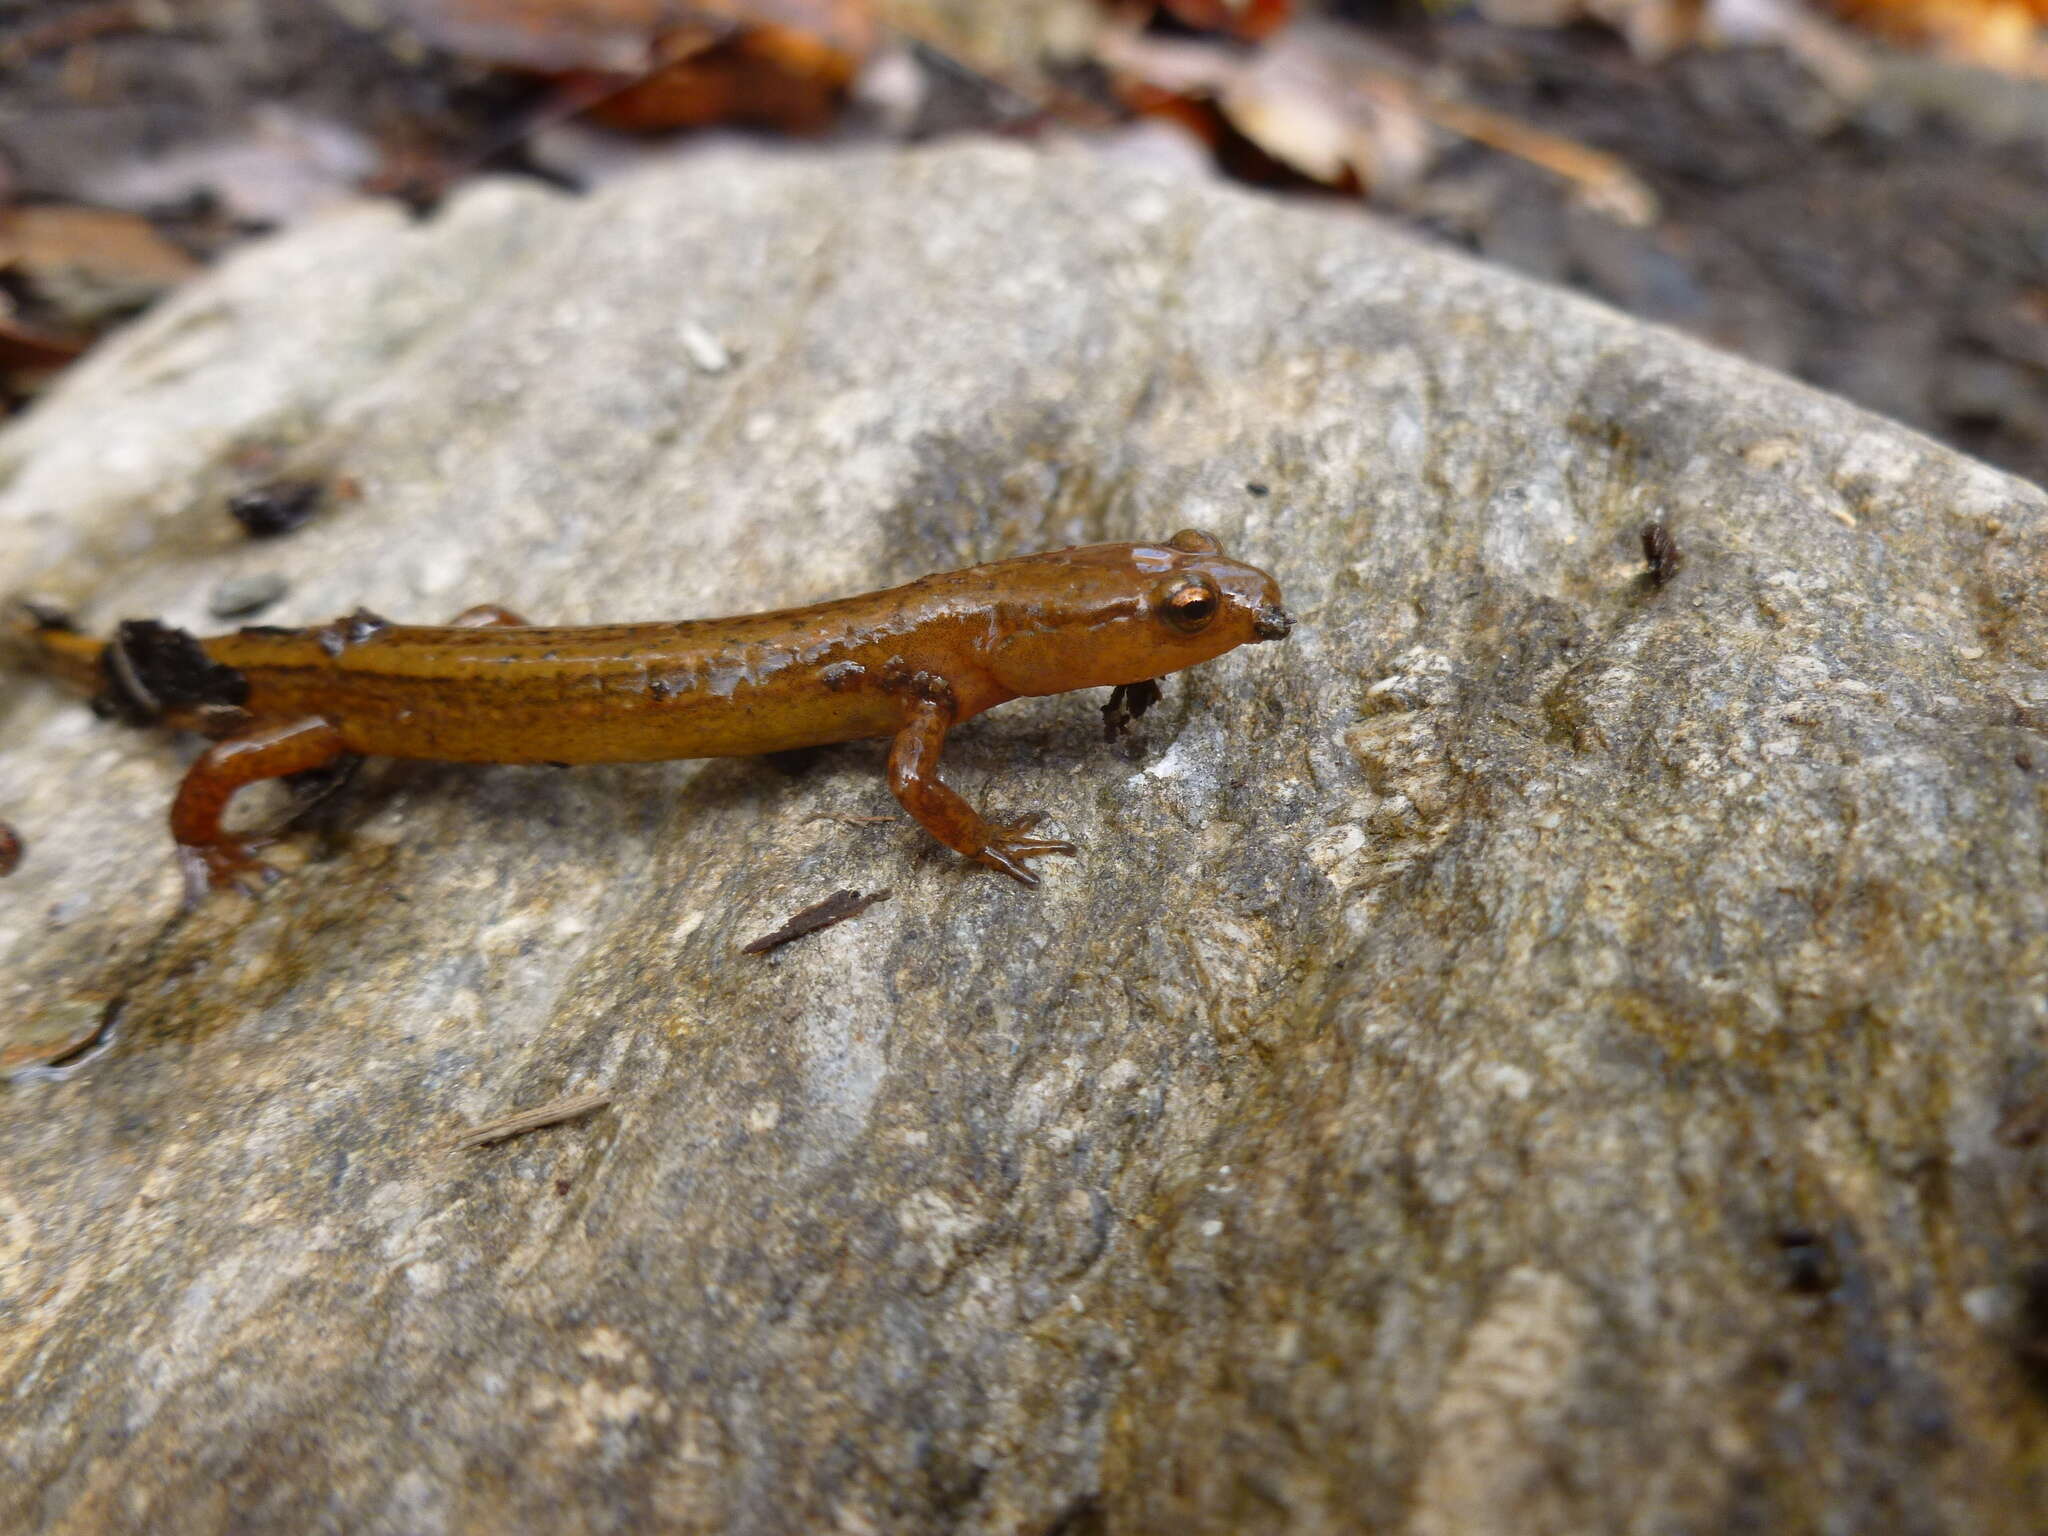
{"points": [[836, 908], [1604, 181], [520, 1121]]}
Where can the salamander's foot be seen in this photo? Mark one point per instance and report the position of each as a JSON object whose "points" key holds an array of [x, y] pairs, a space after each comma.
{"points": [[227, 865], [1006, 844]]}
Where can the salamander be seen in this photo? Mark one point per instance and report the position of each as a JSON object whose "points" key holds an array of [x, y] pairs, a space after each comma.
{"points": [[909, 663]]}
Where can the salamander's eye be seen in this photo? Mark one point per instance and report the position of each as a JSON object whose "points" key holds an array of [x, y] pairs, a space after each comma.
{"points": [[1192, 541], [1189, 604]]}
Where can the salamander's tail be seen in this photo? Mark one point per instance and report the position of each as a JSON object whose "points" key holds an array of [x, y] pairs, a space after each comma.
{"points": [[39, 636], [149, 673]]}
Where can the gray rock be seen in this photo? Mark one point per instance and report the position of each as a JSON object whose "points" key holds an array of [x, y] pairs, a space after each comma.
{"points": [[1536, 1052], [240, 596]]}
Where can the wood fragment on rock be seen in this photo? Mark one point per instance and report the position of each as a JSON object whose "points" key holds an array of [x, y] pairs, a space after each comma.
{"points": [[1661, 553], [519, 1122], [836, 908]]}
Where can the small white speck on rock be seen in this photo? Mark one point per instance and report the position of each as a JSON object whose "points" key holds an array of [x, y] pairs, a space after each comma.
{"points": [[704, 350]]}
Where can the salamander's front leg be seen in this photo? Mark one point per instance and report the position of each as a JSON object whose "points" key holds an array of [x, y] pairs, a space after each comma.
{"points": [[212, 857], [914, 776]]}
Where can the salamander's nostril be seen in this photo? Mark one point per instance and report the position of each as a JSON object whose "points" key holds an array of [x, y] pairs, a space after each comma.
{"points": [[1272, 623]]}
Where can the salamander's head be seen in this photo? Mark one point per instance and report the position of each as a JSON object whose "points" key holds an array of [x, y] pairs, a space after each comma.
{"points": [[1125, 613]]}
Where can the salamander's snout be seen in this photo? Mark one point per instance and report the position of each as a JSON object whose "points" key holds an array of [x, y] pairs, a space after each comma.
{"points": [[1273, 623]]}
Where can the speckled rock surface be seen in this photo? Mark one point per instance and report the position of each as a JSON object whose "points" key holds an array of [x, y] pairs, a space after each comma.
{"points": [[1539, 1051]]}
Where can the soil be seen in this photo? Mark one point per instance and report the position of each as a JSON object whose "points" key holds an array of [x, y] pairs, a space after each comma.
{"points": [[1896, 253]]}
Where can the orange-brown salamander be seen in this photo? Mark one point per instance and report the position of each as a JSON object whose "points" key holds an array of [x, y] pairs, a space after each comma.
{"points": [[909, 663]]}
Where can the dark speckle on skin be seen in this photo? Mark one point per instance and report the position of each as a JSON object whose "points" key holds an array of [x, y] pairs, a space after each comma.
{"points": [[842, 675]]}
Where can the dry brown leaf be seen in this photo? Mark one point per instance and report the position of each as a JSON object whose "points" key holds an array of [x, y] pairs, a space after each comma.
{"points": [[769, 77], [645, 66], [1251, 20], [27, 351], [50, 236], [1327, 106], [85, 266], [2005, 35], [1271, 101]]}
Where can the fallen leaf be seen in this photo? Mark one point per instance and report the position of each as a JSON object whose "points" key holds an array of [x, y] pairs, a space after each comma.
{"points": [[650, 66], [86, 266], [1199, 115], [1296, 101], [24, 349], [1332, 109], [1251, 20], [2004, 35], [766, 76]]}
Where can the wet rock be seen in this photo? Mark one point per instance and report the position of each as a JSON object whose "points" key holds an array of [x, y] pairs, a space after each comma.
{"points": [[1394, 1118]]}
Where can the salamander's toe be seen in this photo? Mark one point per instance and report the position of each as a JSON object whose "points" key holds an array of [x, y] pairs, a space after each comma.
{"points": [[1007, 844], [996, 859], [225, 866]]}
